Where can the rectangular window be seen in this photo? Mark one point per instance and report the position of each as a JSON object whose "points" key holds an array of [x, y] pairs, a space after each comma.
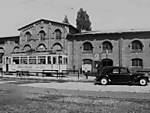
{"points": [[137, 62], [49, 59], [3, 60], [59, 59], [32, 60], [9, 60], [123, 71], [115, 71], [54, 60], [15, 60], [41, 59], [65, 60], [23, 60]]}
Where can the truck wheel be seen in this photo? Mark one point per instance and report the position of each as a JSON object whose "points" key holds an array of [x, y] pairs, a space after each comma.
{"points": [[104, 81], [143, 82]]}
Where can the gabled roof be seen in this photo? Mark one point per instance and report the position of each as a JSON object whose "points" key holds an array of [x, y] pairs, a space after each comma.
{"points": [[45, 20]]}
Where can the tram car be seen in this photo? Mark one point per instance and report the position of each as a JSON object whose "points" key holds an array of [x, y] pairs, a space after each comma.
{"points": [[36, 62]]}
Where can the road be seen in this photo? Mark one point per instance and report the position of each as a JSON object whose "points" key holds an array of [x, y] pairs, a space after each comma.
{"points": [[29, 96], [85, 86]]}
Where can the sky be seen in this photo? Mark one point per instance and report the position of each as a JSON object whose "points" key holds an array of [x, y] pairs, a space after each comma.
{"points": [[104, 14]]}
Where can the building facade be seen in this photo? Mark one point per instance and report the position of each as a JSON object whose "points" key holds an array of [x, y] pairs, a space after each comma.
{"points": [[86, 49], [130, 49]]}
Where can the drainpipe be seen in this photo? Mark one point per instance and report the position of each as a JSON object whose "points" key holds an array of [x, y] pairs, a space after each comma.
{"points": [[120, 51]]}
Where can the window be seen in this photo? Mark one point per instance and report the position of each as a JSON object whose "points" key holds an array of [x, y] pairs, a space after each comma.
{"points": [[16, 49], [27, 47], [4, 61], [115, 71], [15, 60], [59, 59], [41, 47], [32, 60], [107, 46], [137, 62], [123, 71], [87, 61], [1, 57], [28, 36], [42, 35], [54, 60], [23, 60], [137, 45], [49, 59], [58, 34], [87, 46], [65, 60], [41, 59], [57, 47]]}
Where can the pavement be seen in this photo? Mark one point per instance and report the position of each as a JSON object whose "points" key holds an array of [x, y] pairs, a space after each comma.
{"points": [[75, 83], [65, 78], [91, 87]]}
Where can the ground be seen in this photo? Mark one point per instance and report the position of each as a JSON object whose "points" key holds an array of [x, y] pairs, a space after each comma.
{"points": [[37, 96]]}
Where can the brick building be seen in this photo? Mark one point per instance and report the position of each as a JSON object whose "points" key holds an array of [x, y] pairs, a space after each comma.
{"points": [[85, 49], [130, 49]]}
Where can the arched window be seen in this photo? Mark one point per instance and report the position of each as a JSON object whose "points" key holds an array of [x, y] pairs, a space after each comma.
{"points": [[87, 47], [28, 36], [16, 49], [41, 47], [26, 48], [58, 34], [107, 46], [57, 47], [137, 62], [137, 45], [87, 61], [42, 35]]}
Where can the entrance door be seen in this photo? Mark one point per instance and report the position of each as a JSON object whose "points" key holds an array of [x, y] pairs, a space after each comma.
{"points": [[87, 65]]}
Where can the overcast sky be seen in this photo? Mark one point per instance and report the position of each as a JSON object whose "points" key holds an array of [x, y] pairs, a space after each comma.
{"points": [[104, 14]]}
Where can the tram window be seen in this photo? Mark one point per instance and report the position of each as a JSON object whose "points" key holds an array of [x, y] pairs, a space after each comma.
{"points": [[54, 60], [3, 60], [15, 60], [41, 59], [9, 60], [65, 61], [59, 59], [49, 59], [32, 60], [23, 60]]}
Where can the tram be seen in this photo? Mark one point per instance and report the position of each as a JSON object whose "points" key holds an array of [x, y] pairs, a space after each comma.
{"points": [[37, 62]]}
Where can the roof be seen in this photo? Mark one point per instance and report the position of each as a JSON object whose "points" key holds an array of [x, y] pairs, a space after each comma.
{"points": [[112, 31], [45, 20], [10, 37]]}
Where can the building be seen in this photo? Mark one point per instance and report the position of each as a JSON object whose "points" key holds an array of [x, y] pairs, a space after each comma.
{"points": [[85, 49], [6, 46], [127, 48]]}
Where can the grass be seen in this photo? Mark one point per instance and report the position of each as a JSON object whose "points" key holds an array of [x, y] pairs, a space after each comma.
{"points": [[36, 100]]}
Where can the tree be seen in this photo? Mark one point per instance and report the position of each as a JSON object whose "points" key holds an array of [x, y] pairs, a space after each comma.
{"points": [[66, 20], [83, 22]]}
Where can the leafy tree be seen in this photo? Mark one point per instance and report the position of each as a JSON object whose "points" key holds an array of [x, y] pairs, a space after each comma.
{"points": [[66, 19], [83, 22]]}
